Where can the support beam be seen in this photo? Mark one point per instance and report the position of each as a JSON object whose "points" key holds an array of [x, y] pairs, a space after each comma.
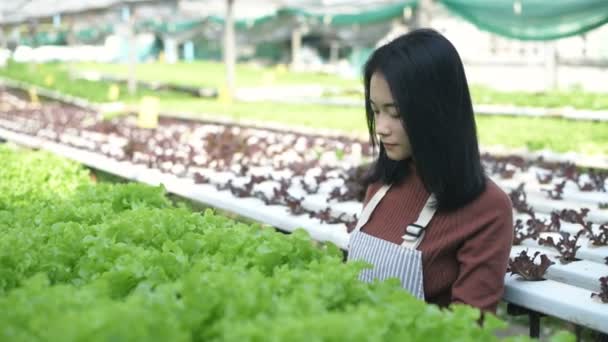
{"points": [[551, 71], [334, 52], [229, 48], [296, 47], [57, 20], [171, 50], [533, 318], [129, 13], [189, 51], [423, 14], [3, 38]]}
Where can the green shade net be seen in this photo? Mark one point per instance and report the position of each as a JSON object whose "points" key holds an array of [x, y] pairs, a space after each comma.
{"points": [[92, 35], [367, 15], [518, 19], [44, 38], [171, 27], [532, 19]]}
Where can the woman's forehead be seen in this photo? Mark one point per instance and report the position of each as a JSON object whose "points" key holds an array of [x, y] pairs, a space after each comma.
{"points": [[380, 92]]}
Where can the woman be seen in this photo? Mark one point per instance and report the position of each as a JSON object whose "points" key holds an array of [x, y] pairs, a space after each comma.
{"points": [[431, 216]]}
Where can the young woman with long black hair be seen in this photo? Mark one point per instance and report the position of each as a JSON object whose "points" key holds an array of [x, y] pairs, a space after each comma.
{"points": [[431, 216]]}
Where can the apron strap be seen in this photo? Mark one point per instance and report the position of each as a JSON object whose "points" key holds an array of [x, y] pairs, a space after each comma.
{"points": [[371, 205], [414, 232]]}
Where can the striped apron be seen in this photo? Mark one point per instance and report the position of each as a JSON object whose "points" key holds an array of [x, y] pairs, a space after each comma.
{"points": [[390, 260]]}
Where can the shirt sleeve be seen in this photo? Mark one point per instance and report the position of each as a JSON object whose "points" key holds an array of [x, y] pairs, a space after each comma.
{"points": [[483, 260]]}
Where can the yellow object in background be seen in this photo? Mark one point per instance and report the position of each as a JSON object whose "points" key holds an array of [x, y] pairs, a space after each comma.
{"points": [[33, 95], [149, 109], [225, 95], [49, 80], [161, 57], [281, 68], [268, 78], [113, 92]]}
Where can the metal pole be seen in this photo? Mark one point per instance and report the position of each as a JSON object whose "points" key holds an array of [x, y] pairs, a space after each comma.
{"points": [[3, 40], [132, 85], [422, 14], [551, 66], [334, 51], [229, 47], [296, 45], [534, 318]]}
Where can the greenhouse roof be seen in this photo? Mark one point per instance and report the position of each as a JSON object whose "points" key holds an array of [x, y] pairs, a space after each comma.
{"points": [[17, 11], [22, 10], [526, 20]]}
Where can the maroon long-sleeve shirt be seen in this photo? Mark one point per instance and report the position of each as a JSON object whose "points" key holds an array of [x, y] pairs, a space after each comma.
{"points": [[464, 253]]}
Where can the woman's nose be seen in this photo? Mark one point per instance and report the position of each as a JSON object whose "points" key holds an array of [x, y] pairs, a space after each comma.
{"points": [[382, 126]]}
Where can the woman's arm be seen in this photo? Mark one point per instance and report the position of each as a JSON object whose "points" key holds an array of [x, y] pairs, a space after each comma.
{"points": [[483, 260]]}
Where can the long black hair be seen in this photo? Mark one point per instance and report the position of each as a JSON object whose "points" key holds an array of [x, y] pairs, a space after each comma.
{"points": [[429, 87]]}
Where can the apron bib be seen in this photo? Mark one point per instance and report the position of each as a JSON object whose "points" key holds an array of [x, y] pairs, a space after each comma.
{"points": [[391, 260]]}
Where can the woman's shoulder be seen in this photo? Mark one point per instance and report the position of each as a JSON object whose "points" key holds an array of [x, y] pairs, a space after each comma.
{"points": [[494, 197], [491, 206]]}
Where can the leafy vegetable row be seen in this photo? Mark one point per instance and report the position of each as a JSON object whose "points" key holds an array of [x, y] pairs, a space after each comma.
{"points": [[97, 262]]}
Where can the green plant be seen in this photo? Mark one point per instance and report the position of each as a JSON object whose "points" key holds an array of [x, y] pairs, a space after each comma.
{"points": [[120, 262]]}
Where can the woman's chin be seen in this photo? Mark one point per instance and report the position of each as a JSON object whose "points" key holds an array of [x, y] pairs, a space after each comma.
{"points": [[398, 157]]}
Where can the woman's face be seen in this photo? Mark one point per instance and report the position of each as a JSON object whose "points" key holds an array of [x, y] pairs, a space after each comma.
{"points": [[389, 126]]}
